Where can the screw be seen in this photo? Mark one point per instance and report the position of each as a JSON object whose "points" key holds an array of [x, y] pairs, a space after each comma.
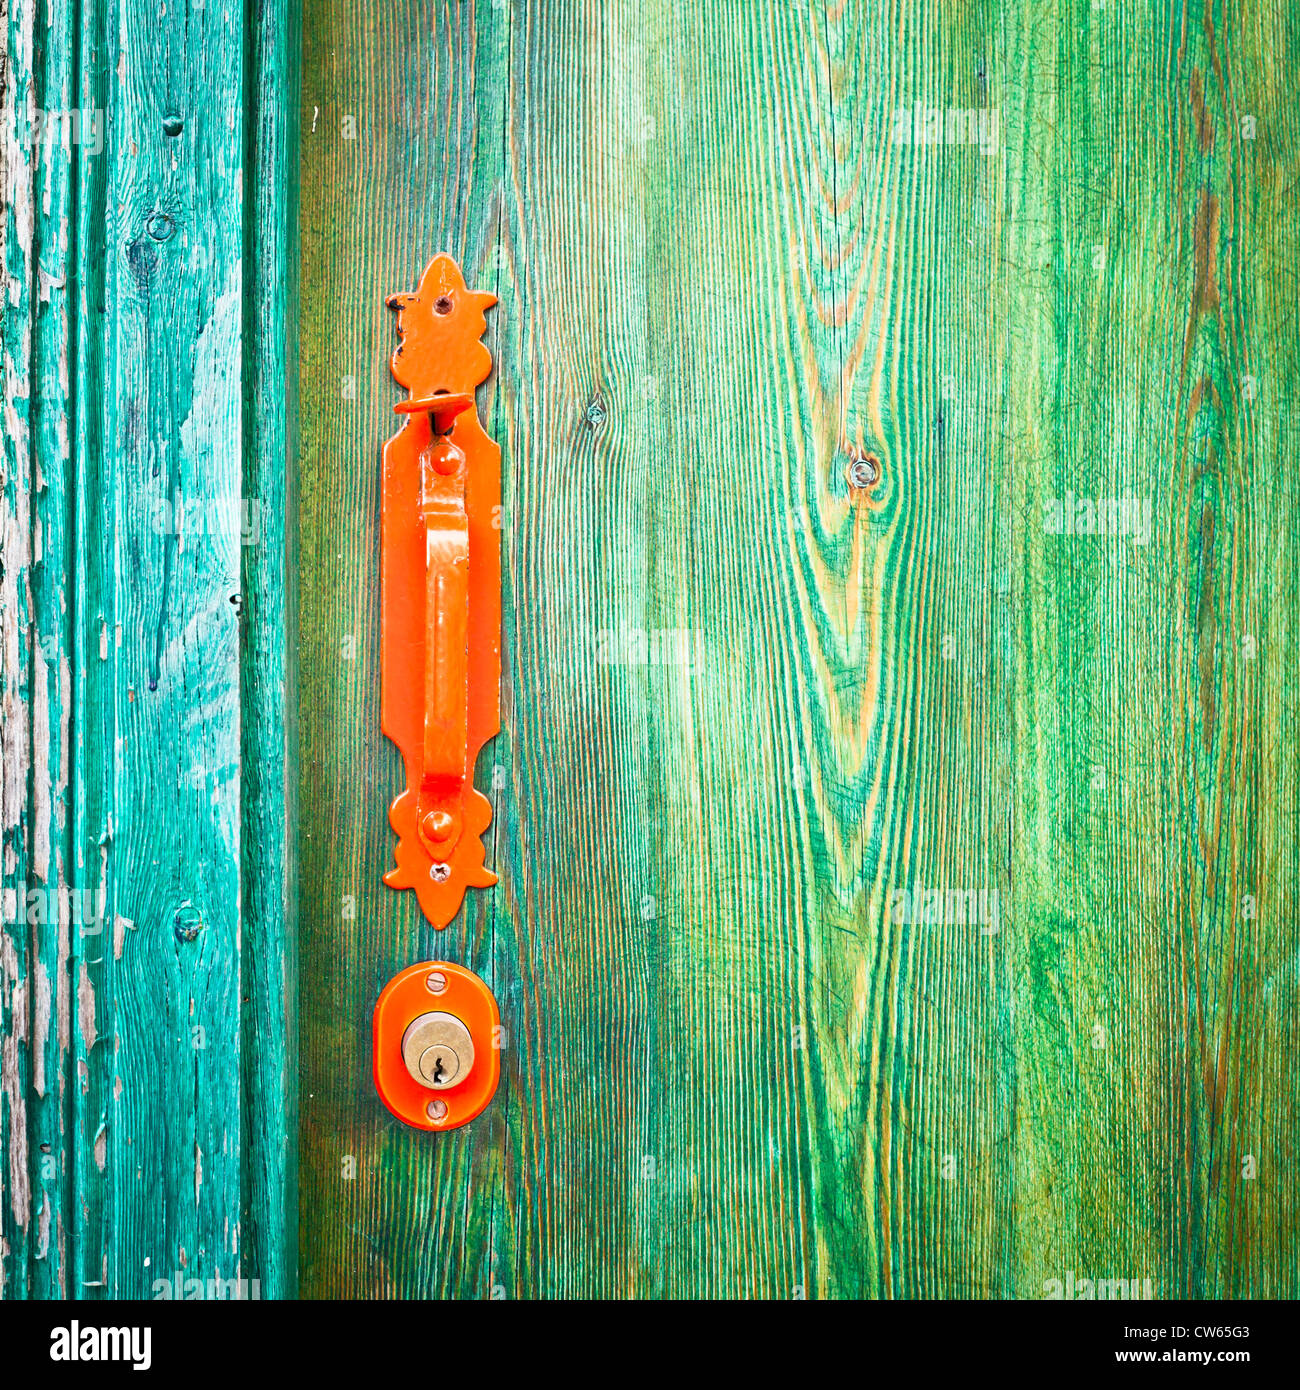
{"points": [[863, 471], [441, 873], [442, 305], [436, 1110], [435, 982]]}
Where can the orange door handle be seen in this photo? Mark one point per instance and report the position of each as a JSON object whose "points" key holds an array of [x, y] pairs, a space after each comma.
{"points": [[441, 600]]}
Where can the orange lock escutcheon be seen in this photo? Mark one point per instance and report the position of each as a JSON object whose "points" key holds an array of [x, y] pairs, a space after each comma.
{"points": [[437, 1044]]}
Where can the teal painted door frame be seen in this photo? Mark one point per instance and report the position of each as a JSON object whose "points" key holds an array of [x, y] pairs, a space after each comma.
{"points": [[147, 1028]]}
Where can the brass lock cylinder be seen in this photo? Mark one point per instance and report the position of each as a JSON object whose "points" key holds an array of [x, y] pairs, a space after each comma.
{"points": [[438, 1050]]}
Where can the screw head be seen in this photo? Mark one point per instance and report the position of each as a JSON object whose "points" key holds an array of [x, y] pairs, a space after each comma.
{"points": [[436, 1110], [435, 982], [440, 873], [863, 471]]}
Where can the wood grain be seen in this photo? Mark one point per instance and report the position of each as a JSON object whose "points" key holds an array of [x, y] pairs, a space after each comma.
{"points": [[732, 1068], [141, 269], [756, 723]]}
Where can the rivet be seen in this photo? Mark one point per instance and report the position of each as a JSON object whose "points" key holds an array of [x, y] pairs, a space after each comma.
{"points": [[173, 125]]}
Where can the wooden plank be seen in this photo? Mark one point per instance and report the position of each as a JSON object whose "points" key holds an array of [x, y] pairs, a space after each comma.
{"points": [[736, 1066], [51, 1004], [35, 994], [268, 697], [18, 973], [381, 1216], [1155, 764], [144, 348], [158, 1042]]}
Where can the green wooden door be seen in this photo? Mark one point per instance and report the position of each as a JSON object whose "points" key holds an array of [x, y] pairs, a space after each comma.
{"points": [[760, 730], [898, 881]]}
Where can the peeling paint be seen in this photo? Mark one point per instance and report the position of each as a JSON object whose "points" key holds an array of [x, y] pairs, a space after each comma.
{"points": [[41, 769], [65, 745], [11, 1083], [62, 1001], [40, 1024], [43, 1228], [86, 1009]]}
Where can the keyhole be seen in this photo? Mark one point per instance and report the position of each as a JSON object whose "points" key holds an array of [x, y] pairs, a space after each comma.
{"points": [[437, 1071]]}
